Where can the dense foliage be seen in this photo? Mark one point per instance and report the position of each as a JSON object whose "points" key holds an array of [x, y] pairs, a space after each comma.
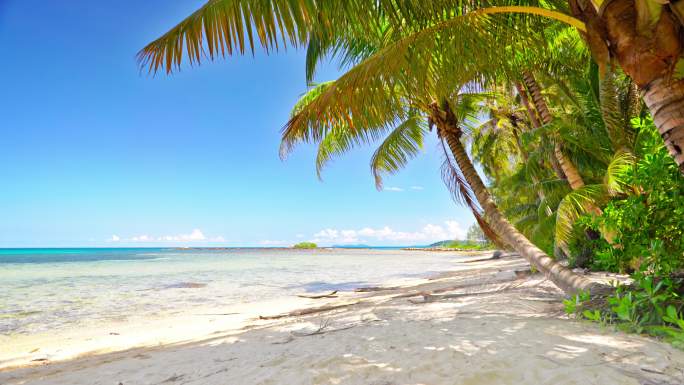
{"points": [[646, 227], [647, 223], [305, 245], [467, 245]]}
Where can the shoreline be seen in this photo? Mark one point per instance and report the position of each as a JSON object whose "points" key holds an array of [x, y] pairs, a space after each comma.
{"points": [[480, 323], [140, 331]]}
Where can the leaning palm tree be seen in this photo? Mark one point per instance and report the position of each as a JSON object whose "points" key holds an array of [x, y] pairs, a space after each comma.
{"points": [[403, 142], [342, 114], [386, 85], [514, 157], [643, 37], [450, 129], [334, 120]]}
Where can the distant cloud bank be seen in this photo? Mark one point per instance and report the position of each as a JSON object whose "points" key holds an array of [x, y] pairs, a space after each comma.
{"points": [[195, 236], [382, 235], [429, 233], [400, 189]]}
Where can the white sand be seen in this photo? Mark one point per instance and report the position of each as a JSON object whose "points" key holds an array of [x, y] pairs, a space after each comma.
{"points": [[493, 329]]}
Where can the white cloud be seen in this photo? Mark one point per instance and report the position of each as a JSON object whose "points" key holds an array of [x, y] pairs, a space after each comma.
{"points": [[429, 233], [268, 242], [339, 236], [400, 189], [114, 238], [195, 235], [455, 230]]}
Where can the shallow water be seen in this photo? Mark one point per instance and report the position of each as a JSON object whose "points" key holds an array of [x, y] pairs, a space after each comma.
{"points": [[52, 289]]}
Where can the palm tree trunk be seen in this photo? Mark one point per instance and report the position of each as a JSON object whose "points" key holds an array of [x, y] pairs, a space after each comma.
{"points": [[535, 123], [531, 112], [537, 98], [647, 52], [560, 275], [574, 178], [665, 100], [569, 169], [526, 103]]}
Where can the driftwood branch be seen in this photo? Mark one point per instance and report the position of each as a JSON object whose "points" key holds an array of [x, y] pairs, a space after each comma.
{"points": [[329, 295], [312, 310], [494, 256], [324, 328], [376, 288], [429, 297]]}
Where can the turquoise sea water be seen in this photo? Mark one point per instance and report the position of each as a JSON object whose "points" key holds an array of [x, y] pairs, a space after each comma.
{"points": [[51, 289], [33, 255]]}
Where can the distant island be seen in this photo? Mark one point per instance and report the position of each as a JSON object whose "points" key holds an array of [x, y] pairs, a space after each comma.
{"points": [[461, 245], [305, 245]]}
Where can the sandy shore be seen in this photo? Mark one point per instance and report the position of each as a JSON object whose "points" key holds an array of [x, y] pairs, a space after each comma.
{"points": [[482, 324]]}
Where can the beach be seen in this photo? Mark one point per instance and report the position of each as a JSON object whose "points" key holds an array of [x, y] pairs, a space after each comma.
{"points": [[484, 321], [299, 192], [61, 303]]}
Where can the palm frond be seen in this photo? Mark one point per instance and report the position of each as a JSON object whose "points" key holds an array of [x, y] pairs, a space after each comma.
{"points": [[401, 145], [456, 183], [616, 174], [222, 27], [611, 112], [336, 142], [309, 96], [575, 204]]}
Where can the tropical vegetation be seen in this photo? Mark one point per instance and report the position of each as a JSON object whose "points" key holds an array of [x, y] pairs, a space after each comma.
{"points": [[573, 110], [466, 245], [305, 245]]}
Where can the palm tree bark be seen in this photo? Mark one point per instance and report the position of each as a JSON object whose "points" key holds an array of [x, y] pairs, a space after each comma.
{"points": [[526, 103], [537, 98], [532, 114], [560, 275], [571, 173], [648, 47], [569, 169], [665, 100]]}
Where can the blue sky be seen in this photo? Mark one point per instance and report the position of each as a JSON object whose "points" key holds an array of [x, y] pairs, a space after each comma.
{"points": [[96, 154]]}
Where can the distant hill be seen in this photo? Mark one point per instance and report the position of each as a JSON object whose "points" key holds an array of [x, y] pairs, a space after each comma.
{"points": [[441, 243], [459, 245]]}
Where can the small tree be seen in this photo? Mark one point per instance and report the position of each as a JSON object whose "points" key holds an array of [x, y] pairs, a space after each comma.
{"points": [[305, 245]]}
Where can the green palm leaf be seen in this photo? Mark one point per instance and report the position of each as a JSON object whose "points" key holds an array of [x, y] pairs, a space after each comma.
{"points": [[616, 179], [225, 26], [401, 145], [575, 204]]}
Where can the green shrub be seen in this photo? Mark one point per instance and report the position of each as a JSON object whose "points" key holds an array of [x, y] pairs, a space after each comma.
{"points": [[648, 224], [646, 230], [468, 245], [652, 305], [305, 245]]}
